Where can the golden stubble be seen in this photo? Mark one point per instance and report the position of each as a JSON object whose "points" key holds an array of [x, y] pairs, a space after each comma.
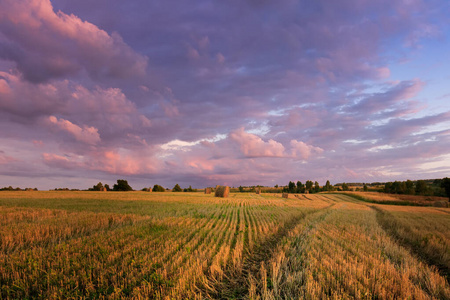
{"points": [[117, 245]]}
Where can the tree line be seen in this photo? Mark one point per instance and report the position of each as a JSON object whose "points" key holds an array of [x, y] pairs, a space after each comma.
{"points": [[10, 188], [437, 187], [124, 186], [308, 187]]}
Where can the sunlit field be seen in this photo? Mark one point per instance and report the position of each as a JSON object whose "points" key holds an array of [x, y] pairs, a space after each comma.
{"points": [[139, 245], [397, 199]]}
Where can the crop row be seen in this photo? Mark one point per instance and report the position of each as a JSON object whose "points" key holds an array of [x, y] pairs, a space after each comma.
{"points": [[176, 253], [343, 252], [178, 246]]}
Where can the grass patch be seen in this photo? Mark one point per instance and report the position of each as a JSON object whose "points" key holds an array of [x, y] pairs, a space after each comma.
{"points": [[386, 202]]}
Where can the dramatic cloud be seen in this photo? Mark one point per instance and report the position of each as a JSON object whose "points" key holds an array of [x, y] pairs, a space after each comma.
{"points": [[88, 135], [253, 146], [384, 100], [46, 45], [58, 161], [302, 150], [234, 92], [4, 159]]}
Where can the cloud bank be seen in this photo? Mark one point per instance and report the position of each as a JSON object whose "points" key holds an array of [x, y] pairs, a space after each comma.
{"points": [[238, 93]]}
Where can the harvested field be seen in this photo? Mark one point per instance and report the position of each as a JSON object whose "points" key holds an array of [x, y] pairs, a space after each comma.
{"points": [[117, 245], [411, 200]]}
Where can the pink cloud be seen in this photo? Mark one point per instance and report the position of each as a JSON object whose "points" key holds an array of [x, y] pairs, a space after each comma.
{"points": [[253, 146], [207, 144], [200, 164], [299, 118], [56, 44], [109, 161], [22, 98], [203, 42], [116, 161], [352, 174], [88, 135], [4, 159], [192, 53], [302, 150], [397, 92], [220, 58], [110, 100], [403, 90], [107, 109], [170, 109], [38, 143], [4, 87], [59, 161], [383, 72]]}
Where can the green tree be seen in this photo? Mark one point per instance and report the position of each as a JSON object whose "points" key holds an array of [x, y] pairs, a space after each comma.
{"points": [[241, 189], [328, 186], [445, 184], [300, 187], [122, 185], [291, 187], [316, 187], [421, 187], [345, 187], [98, 187], [107, 187], [409, 187], [309, 185], [189, 189], [366, 188], [388, 187], [158, 188], [399, 187], [177, 188]]}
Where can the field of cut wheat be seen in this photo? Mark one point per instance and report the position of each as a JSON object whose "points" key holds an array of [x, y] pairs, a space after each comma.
{"points": [[138, 245], [397, 199]]}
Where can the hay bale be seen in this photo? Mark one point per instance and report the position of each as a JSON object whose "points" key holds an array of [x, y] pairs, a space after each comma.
{"points": [[149, 190], [222, 191], [440, 204], [208, 190], [258, 191], [104, 189], [285, 195]]}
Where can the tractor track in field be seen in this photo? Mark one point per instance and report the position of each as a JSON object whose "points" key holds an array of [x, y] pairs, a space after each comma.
{"points": [[235, 284], [443, 210], [391, 226]]}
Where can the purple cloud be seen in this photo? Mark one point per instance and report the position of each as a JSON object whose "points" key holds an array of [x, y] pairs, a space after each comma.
{"points": [[47, 45], [240, 92], [85, 134]]}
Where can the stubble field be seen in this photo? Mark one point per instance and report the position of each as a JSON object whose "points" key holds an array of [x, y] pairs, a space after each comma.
{"points": [[137, 245]]}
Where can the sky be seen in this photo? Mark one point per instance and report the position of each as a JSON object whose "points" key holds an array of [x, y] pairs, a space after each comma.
{"points": [[248, 92]]}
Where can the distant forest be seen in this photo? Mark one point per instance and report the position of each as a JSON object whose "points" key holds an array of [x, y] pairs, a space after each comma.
{"points": [[428, 187]]}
